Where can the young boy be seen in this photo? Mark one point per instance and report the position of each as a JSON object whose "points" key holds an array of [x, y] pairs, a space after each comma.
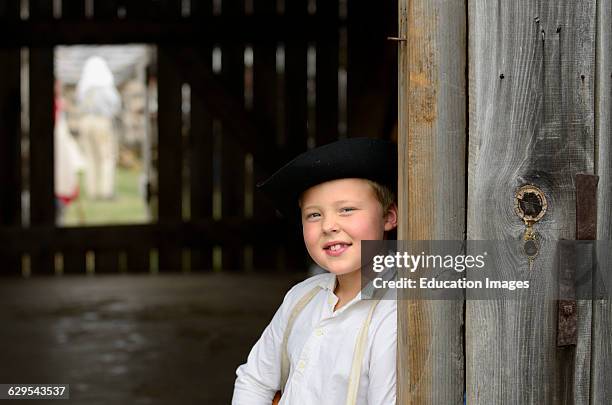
{"points": [[325, 345]]}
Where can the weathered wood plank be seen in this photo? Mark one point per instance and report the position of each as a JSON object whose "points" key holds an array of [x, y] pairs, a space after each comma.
{"points": [[431, 142], [170, 153], [531, 121], [601, 378], [575, 362]]}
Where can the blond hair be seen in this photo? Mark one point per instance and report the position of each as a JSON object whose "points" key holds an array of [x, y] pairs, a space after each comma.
{"points": [[383, 194]]}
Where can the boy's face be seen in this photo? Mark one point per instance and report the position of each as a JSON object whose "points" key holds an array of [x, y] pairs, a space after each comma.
{"points": [[336, 216]]}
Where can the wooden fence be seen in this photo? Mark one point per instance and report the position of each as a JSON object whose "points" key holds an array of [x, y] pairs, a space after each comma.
{"points": [[534, 108], [244, 121]]}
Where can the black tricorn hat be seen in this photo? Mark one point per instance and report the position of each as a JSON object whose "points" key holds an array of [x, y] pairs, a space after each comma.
{"points": [[366, 158]]}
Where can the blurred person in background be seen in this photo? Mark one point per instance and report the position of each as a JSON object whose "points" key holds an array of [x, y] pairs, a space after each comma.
{"points": [[99, 102], [68, 160]]}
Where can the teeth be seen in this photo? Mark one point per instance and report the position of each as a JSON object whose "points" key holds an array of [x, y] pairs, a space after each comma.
{"points": [[335, 247]]}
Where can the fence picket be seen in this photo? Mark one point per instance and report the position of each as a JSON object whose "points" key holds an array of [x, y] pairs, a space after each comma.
{"points": [[169, 153]]}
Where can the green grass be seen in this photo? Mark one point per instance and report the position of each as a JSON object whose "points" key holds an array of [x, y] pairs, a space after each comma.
{"points": [[128, 206]]}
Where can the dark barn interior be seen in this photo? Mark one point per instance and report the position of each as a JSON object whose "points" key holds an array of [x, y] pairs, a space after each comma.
{"points": [[164, 311]]}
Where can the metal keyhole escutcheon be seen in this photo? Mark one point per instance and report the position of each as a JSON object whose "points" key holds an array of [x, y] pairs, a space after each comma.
{"points": [[530, 205]]}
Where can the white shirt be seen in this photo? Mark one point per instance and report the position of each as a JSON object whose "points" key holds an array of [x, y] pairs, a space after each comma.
{"points": [[96, 91], [320, 349]]}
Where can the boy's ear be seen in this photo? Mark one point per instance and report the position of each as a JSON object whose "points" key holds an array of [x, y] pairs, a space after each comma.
{"points": [[391, 218]]}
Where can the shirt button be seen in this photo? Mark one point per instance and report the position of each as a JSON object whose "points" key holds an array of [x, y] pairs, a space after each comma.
{"points": [[319, 332], [301, 365]]}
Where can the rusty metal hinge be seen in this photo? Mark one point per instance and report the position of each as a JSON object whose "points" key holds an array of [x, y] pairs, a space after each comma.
{"points": [[586, 229]]}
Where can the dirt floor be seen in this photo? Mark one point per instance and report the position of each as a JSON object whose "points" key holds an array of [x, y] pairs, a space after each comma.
{"points": [[164, 339]]}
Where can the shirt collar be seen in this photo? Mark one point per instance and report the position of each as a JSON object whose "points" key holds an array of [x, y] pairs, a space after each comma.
{"points": [[328, 283], [367, 292]]}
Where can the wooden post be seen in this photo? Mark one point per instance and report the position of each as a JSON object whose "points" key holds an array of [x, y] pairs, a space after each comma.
{"points": [[431, 142], [232, 154], [42, 195], [265, 108], [169, 153], [327, 76], [201, 151], [601, 352], [531, 76]]}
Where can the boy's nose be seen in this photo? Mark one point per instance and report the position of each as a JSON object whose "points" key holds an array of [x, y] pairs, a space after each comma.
{"points": [[330, 226]]}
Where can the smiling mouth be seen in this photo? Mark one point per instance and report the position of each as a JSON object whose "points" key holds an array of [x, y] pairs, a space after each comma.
{"points": [[336, 248]]}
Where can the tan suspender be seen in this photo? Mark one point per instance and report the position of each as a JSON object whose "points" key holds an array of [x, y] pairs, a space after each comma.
{"points": [[353, 387], [297, 309]]}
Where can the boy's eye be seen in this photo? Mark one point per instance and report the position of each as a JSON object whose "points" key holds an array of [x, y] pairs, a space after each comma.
{"points": [[312, 215], [347, 209]]}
